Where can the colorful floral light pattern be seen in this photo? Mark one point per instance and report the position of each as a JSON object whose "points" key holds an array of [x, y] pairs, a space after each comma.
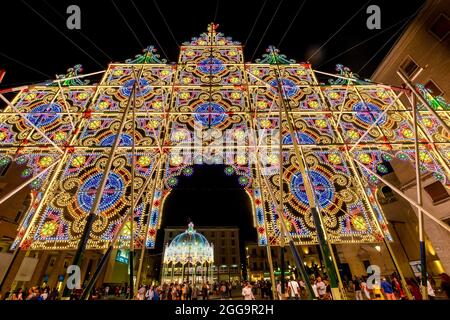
{"points": [[213, 87]]}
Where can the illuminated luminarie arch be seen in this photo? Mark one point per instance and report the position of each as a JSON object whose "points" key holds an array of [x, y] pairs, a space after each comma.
{"points": [[348, 130]]}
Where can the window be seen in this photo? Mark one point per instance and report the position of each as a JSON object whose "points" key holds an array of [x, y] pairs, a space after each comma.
{"points": [[409, 67], [223, 260], [366, 263], [233, 250], [170, 233], [223, 234], [25, 205], [213, 234], [222, 250], [233, 242], [233, 259], [441, 27], [261, 266], [232, 234], [222, 242], [254, 253], [255, 267], [432, 86], [447, 221], [437, 192]]}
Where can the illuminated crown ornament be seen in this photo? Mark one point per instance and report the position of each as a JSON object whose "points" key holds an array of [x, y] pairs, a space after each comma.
{"points": [[189, 246], [211, 37], [149, 56], [344, 71], [437, 102], [73, 75], [273, 56]]}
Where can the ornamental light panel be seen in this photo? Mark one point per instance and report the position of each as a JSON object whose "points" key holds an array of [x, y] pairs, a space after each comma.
{"points": [[171, 116]]}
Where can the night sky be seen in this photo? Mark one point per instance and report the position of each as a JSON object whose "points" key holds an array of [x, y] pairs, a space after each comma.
{"points": [[36, 45]]}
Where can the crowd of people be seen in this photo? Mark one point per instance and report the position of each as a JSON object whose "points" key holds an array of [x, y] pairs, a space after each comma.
{"points": [[358, 288]]}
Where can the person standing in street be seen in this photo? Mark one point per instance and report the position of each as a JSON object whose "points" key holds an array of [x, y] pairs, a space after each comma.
{"points": [[386, 288], [321, 288], [247, 292], [445, 284], [294, 289], [358, 292]]}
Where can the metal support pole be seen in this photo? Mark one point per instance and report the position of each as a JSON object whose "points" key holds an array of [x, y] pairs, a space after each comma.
{"points": [[283, 279], [423, 253], [93, 213], [324, 247], [107, 254], [133, 166], [294, 251]]}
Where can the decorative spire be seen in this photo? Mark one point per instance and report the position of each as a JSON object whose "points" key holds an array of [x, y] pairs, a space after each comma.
{"points": [[437, 102], [72, 73], [190, 228], [148, 56], [273, 56], [212, 27], [346, 72]]}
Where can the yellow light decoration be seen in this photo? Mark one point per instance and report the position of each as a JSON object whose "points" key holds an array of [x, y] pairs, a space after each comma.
{"points": [[273, 159], [234, 80], [235, 95], [157, 105], [186, 80], [334, 95], [103, 105], [266, 123], [60, 136], [176, 160], [30, 96], [165, 73], [407, 133], [241, 159], [179, 135], [118, 72], [321, 123], [185, 95], [313, 104], [2, 135], [425, 157], [239, 134], [48, 229], [153, 124], [144, 161], [365, 158], [352, 134], [95, 124], [82, 96], [261, 104], [78, 161], [359, 223], [334, 158], [45, 161], [427, 122]]}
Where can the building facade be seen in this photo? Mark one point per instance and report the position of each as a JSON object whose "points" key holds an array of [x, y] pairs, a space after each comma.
{"points": [[227, 263], [422, 53]]}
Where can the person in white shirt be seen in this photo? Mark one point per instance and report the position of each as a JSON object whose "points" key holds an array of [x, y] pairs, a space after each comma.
{"points": [[321, 288], [431, 294], [279, 293], [314, 287], [365, 289], [294, 289], [149, 294], [247, 292]]}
